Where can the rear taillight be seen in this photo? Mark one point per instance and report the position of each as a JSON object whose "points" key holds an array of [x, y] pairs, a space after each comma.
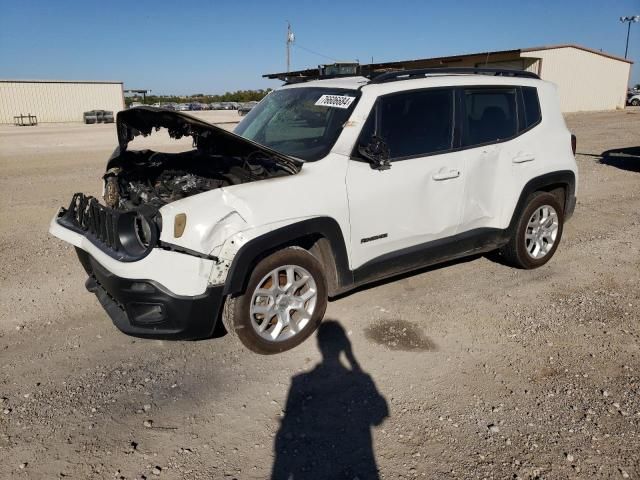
{"points": [[573, 144]]}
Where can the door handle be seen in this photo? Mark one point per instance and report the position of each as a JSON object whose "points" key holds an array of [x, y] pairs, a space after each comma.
{"points": [[446, 175], [523, 158]]}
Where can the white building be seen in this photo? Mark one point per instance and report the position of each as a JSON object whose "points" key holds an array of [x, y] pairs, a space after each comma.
{"points": [[57, 100]]}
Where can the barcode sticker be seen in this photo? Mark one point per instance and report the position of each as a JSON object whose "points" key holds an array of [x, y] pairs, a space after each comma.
{"points": [[336, 101]]}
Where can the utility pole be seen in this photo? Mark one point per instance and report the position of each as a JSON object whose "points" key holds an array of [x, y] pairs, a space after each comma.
{"points": [[290, 39], [629, 20]]}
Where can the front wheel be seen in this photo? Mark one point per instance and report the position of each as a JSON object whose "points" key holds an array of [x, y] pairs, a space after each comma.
{"points": [[283, 304], [635, 102], [537, 233]]}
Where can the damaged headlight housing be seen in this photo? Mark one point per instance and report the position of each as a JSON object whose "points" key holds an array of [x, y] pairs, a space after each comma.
{"points": [[138, 232], [144, 230]]}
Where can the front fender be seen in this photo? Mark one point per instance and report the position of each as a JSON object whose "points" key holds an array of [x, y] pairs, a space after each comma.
{"points": [[243, 251], [211, 218]]}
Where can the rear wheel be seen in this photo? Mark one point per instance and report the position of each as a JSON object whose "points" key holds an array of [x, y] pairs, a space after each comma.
{"points": [[635, 102], [283, 304], [537, 233]]}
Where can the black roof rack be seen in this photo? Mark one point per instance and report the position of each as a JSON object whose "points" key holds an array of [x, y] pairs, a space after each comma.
{"points": [[292, 80], [423, 72]]}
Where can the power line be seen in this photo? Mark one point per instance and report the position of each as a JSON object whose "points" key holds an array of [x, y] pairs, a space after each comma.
{"points": [[315, 53]]}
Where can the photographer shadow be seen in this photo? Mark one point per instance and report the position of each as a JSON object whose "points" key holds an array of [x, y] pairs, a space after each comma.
{"points": [[326, 430]]}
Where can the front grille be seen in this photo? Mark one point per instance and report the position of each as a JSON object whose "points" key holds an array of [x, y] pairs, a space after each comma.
{"points": [[113, 231], [94, 220]]}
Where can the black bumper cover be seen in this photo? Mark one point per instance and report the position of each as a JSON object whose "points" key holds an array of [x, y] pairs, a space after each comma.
{"points": [[144, 308]]}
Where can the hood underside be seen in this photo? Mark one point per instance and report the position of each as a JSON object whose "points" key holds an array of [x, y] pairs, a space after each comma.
{"points": [[207, 137]]}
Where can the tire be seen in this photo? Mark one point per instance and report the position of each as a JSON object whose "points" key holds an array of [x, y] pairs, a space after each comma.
{"points": [[534, 252], [243, 315], [635, 102]]}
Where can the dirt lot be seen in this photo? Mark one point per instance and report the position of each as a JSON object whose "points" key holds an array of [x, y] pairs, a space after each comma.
{"points": [[473, 370]]}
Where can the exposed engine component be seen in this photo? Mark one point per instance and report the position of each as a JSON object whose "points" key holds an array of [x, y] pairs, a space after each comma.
{"points": [[154, 178], [220, 158]]}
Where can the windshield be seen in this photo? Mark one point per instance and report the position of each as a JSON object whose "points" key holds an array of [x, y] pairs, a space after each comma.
{"points": [[301, 122]]}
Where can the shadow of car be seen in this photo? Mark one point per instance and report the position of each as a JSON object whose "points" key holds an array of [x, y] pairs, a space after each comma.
{"points": [[623, 158]]}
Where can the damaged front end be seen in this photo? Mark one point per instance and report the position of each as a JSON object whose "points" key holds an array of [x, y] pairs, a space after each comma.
{"points": [[126, 236], [150, 287], [219, 159], [140, 182]]}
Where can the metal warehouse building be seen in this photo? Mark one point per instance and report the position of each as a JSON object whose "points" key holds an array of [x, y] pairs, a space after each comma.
{"points": [[587, 79], [57, 100]]}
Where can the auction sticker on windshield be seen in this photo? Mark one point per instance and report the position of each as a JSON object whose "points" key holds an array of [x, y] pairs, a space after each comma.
{"points": [[336, 101]]}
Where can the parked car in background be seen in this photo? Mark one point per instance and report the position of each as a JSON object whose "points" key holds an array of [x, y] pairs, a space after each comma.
{"points": [[107, 116], [199, 106], [90, 117], [98, 116], [246, 107], [182, 107], [215, 106]]}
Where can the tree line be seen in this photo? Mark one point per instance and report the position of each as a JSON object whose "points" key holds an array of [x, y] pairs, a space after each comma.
{"points": [[237, 96]]}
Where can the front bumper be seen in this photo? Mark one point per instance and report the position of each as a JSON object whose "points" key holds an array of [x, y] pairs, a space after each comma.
{"points": [[144, 308], [165, 294], [181, 274]]}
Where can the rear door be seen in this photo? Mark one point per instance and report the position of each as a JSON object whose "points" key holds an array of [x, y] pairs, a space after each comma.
{"points": [[499, 158]]}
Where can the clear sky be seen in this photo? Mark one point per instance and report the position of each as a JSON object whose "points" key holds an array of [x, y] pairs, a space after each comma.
{"points": [[185, 47]]}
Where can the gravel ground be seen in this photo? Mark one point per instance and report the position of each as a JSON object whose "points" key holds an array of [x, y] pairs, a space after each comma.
{"points": [[471, 370]]}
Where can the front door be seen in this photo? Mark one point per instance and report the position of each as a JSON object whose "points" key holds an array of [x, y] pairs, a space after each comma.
{"points": [[420, 197]]}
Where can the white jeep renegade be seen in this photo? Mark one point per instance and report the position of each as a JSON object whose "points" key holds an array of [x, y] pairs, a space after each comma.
{"points": [[324, 186]]}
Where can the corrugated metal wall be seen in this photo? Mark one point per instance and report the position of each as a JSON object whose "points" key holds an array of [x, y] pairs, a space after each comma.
{"points": [[57, 101], [586, 81]]}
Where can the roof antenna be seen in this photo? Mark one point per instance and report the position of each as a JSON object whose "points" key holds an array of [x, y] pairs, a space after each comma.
{"points": [[486, 62]]}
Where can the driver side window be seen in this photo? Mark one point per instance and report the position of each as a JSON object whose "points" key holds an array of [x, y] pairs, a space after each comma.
{"points": [[412, 124]]}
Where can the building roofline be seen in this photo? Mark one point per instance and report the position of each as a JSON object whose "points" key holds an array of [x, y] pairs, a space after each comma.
{"points": [[383, 65], [20, 80], [446, 59], [579, 47]]}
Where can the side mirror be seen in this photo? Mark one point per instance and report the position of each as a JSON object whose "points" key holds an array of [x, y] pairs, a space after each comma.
{"points": [[377, 153]]}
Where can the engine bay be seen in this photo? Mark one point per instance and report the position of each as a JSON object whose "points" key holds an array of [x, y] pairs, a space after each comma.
{"points": [[219, 158], [146, 177]]}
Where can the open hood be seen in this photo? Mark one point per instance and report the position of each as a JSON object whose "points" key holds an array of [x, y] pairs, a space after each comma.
{"points": [[206, 136]]}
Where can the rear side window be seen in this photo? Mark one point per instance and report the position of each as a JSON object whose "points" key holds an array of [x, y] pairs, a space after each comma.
{"points": [[413, 123], [531, 107], [490, 115]]}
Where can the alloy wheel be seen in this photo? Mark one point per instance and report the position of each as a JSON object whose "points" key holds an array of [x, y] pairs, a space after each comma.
{"points": [[283, 303], [541, 232]]}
